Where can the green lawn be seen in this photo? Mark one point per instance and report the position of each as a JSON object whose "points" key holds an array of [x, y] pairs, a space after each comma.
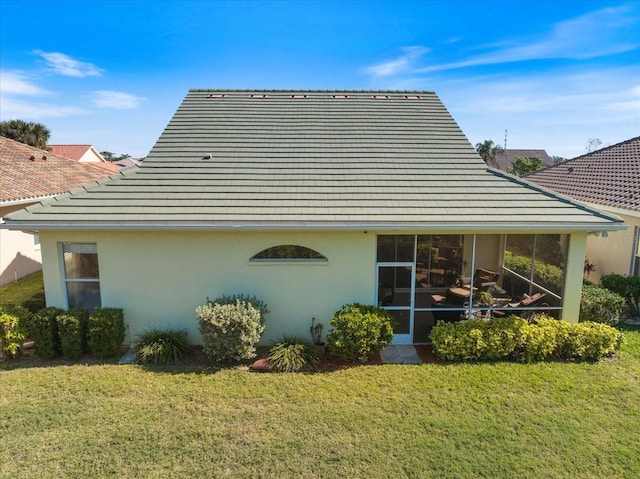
{"points": [[545, 420]]}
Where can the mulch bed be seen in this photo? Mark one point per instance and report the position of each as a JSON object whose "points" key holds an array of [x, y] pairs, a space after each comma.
{"points": [[196, 359]]}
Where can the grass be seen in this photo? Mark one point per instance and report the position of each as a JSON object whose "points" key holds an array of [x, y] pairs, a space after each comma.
{"points": [[23, 289], [497, 420]]}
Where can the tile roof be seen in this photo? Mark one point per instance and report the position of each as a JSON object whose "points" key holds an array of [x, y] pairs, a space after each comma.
{"points": [[608, 177], [313, 159], [22, 177], [505, 159], [75, 152]]}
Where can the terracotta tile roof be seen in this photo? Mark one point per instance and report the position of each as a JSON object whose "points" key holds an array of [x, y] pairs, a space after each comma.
{"points": [[107, 165], [608, 177], [75, 152], [23, 178]]}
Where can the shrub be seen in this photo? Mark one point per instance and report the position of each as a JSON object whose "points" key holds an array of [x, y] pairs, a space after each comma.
{"points": [[541, 339], [514, 338], [478, 340], [106, 331], [36, 302], [252, 300], [12, 329], [600, 305], [72, 329], [591, 341], [547, 274], [359, 331], [230, 331], [626, 286], [43, 329], [292, 354], [161, 346]]}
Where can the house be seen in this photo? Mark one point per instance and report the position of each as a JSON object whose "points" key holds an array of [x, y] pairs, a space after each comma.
{"points": [[607, 179], [310, 200], [83, 154], [506, 158], [28, 175]]}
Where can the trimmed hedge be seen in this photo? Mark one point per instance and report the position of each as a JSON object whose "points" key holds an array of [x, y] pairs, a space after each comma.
{"points": [[546, 274], [43, 330], [73, 329], [359, 331], [626, 286], [600, 305], [514, 339], [106, 331]]}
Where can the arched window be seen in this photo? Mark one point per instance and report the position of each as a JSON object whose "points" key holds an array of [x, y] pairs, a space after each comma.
{"points": [[288, 252]]}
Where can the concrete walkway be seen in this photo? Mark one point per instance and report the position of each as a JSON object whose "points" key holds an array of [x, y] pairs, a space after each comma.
{"points": [[402, 354]]}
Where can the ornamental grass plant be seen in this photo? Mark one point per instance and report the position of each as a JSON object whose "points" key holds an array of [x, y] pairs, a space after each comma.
{"points": [[162, 346], [292, 354]]}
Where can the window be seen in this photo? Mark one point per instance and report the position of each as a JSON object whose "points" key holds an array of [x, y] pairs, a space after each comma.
{"points": [[81, 275], [288, 252]]}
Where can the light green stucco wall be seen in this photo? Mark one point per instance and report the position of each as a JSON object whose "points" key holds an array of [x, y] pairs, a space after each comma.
{"points": [[159, 278]]}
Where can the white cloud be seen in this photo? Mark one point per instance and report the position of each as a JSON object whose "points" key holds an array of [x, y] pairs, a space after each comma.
{"points": [[35, 111], [65, 65], [400, 64], [116, 99], [19, 83], [600, 33]]}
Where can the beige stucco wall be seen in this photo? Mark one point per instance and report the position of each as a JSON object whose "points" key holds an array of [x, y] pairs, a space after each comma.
{"points": [[160, 278], [612, 254], [19, 252]]}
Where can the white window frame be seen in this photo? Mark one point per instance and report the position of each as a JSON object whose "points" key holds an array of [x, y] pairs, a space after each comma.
{"points": [[88, 247]]}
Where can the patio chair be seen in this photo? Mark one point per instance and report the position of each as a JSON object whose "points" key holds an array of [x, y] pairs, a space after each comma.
{"points": [[484, 278], [535, 300]]}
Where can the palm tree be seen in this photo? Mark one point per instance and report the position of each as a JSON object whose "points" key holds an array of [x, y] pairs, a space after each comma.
{"points": [[488, 151], [30, 133]]}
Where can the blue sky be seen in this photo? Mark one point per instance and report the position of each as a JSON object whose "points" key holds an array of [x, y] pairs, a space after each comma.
{"points": [[112, 73]]}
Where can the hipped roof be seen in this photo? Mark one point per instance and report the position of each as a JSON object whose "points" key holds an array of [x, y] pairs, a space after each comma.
{"points": [[274, 159], [28, 174], [609, 177]]}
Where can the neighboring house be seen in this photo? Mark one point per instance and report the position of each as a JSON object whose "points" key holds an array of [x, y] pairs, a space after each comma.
{"points": [[127, 163], [310, 200], [28, 175], [84, 154], [607, 179], [506, 158]]}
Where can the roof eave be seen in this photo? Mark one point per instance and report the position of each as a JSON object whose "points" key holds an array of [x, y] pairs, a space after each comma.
{"points": [[23, 201], [493, 227]]}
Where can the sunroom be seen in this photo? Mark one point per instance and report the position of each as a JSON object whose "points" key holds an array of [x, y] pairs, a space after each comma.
{"points": [[422, 279]]}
